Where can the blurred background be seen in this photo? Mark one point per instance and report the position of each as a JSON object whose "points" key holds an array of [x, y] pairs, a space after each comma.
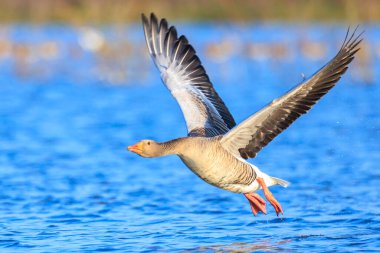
{"points": [[77, 86], [104, 38], [119, 11]]}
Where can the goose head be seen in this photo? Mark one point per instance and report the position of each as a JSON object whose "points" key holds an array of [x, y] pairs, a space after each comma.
{"points": [[146, 148]]}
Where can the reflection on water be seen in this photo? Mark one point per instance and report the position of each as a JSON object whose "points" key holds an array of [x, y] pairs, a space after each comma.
{"points": [[242, 247]]}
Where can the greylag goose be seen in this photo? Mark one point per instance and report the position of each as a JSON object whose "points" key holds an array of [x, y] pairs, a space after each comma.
{"points": [[215, 148]]}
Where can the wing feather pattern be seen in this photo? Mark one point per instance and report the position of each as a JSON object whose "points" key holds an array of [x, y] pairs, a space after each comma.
{"points": [[249, 137], [183, 74]]}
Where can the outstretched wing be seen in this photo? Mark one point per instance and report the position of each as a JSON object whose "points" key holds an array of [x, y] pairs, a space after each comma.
{"points": [[182, 72], [249, 137]]}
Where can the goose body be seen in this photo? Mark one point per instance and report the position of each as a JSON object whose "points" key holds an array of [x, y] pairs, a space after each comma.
{"points": [[223, 170], [215, 148]]}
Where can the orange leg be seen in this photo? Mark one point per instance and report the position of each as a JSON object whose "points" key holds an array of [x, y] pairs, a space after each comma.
{"points": [[256, 202], [270, 197]]}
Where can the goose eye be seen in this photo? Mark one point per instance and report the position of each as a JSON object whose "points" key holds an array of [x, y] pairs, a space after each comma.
{"points": [[148, 142]]}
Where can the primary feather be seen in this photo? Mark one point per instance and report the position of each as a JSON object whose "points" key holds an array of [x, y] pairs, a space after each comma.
{"points": [[250, 136], [183, 74]]}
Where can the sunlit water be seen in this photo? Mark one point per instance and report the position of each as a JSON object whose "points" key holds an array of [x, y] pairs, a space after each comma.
{"points": [[68, 184]]}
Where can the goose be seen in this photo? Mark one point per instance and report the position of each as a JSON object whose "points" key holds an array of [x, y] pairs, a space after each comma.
{"points": [[215, 148]]}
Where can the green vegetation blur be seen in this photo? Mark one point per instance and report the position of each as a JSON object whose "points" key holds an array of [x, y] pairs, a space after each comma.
{"points": [[121, 11]]}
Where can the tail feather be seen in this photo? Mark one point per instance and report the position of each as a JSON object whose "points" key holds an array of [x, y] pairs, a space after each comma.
{"points": [[281, 182]]}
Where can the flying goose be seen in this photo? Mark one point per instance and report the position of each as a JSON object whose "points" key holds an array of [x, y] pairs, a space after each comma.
{"points": [[215, 148]]}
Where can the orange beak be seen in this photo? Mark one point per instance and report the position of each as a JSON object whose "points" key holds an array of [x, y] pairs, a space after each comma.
{"points": [[136, 148]]}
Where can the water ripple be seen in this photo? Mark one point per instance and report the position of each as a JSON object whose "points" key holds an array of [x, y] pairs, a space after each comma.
{"points": [[67, 183]]}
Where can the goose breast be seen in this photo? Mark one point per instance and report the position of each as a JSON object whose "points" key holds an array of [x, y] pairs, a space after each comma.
{"points": [[212, 163]]}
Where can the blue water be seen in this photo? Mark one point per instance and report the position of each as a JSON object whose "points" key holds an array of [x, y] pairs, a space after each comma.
{"points": [[67, 184]]}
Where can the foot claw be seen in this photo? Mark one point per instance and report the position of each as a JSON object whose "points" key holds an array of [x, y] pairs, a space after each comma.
{"points": [[254, 209], [257, 203], [276, 205], [270, 198]]}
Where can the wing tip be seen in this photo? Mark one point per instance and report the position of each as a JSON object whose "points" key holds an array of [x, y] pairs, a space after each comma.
{"points": [[144, 20], [153, 17], [352, 40]]}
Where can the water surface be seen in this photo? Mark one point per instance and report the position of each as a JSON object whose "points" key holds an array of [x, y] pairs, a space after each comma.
{"points": [[67, 183]]}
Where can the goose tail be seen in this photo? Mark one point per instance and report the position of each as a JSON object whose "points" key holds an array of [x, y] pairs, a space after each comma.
{"points": [[280, 181]]}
